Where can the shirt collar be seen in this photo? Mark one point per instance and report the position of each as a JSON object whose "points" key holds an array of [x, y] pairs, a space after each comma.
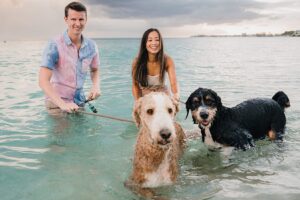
{"points": [[67, 38], [83, 41], [69, 42]]}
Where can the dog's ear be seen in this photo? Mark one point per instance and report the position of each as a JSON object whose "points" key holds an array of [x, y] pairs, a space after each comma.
{"points": [[136, 112], [188, 105]]}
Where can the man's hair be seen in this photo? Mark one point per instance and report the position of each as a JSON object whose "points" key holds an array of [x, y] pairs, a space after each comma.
{"points": [[77, 6]]}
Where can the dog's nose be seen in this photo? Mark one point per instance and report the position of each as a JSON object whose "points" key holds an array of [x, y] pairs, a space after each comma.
{"points": [[165, 134], [204, 115]]}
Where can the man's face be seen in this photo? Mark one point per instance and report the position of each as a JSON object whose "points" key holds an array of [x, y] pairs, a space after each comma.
{"points": [[76, 22]]}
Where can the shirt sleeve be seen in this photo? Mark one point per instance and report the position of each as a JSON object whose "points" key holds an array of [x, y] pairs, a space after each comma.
{"points": [[50, 55], [96, 59]]}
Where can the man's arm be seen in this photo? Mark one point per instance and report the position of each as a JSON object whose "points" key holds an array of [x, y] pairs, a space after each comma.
{"points": [[95, 90], [44, 83]]}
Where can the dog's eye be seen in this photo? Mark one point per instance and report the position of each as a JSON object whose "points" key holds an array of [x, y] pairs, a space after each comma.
{"points": [[170, 110], [150, 111], [209, 102], [196, 102]]}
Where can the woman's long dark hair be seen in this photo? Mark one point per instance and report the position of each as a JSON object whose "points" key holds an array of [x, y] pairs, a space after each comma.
{"points": [[140, 71]]}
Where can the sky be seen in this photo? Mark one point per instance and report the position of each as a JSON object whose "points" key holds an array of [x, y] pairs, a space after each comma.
{"points": [[44, 19]]}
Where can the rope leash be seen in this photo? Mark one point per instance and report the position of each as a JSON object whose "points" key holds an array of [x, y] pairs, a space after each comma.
{"points": [[182, 102], [106, 116]]}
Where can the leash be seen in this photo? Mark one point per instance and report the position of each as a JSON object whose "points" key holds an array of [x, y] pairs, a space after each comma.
{"points": [[182, 102], [93, 109], [105, 116]]}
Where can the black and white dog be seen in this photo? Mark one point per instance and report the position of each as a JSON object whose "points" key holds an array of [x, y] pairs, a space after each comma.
{"points": [[238, 126]]}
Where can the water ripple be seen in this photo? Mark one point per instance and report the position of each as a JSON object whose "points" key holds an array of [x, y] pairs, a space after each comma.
{"points": [[19, 137], [80, 154], [25, 149]]}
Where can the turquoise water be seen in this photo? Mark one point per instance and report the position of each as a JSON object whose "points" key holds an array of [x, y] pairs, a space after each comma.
{"points": [[87, 157]]}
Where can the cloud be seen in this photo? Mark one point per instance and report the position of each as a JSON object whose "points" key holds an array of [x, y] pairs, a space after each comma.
{"points": [[34, 19], [31, 19], [179, 12]]}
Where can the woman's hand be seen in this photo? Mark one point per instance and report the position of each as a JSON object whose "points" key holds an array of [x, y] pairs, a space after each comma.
{"points": [[176, 97]]}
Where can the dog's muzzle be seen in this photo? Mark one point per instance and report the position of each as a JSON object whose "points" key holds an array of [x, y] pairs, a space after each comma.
{"points": [[165, 135], [204, 116]]}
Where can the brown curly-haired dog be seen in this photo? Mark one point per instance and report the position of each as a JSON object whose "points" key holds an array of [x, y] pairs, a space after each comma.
{"points": [[160, 142]]}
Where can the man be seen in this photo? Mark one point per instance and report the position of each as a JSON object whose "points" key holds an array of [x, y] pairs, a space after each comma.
{"points": [[66, 61]]}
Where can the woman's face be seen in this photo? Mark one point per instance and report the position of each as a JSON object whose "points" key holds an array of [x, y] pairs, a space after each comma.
{"points": [[153, 43]]}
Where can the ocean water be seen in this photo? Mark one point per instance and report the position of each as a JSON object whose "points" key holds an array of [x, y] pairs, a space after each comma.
{"points": [[88, 157]]}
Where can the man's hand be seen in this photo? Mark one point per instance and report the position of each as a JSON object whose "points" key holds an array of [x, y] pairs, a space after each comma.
{"points": [[69, 107], [94, 93]]}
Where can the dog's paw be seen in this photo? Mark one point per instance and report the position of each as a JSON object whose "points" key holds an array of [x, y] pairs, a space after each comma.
{"points": [[244, 141]]}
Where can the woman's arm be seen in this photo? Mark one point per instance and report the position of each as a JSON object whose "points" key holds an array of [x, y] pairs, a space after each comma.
{"points": [[170, 67], [136, 93]]}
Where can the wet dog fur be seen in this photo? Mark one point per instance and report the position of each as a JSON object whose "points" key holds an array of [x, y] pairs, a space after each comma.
{"points": [[159, 146], [238, 126]]}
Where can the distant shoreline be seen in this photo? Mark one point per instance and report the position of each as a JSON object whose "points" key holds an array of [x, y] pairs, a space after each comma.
{"points": [[241, 36], [137, 38], [285, 34]]}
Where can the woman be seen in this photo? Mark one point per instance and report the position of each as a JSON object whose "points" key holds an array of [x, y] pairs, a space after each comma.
{"points": [[150, 66]]}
